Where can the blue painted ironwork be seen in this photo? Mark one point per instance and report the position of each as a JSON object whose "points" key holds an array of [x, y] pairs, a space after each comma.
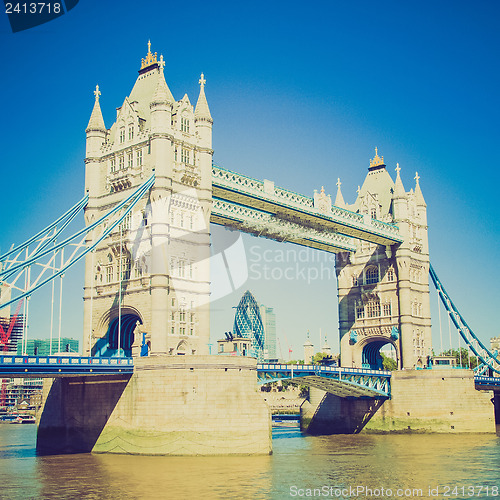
{"points": [[262, 223], [44, 238], [344, 382], [248, 324], [483, 354], [34, 258], [482, 368], [58, 366], [486, 383], [233, 187]]}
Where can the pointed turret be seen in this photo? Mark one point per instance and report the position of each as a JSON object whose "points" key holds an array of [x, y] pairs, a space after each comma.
{"points": [[326, 348], [339, 199], [96, 130], [308, 351], [162, 92], [399, 190], [419, 197], [96, 121], [202, 112], [202, 117], [400, 198], [161, 103]]}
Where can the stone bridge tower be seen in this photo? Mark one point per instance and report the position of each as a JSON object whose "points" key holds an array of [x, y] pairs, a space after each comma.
{"points": [[148, 282], [384, 291]]}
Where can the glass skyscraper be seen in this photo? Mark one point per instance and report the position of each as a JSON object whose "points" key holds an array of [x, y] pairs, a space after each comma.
{"points": [[248, 324], [258, 323]]}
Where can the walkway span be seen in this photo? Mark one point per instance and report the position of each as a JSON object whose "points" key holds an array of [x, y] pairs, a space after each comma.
{"points": [[263, 209]]}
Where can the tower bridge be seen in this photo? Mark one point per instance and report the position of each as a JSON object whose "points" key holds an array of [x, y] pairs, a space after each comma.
{"points": [[152, 190]]}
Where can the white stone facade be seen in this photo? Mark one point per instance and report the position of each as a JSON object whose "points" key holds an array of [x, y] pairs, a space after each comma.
{"points": [[163, 245], [384, 291]]}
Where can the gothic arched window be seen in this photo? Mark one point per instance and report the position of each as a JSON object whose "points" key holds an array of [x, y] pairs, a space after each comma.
{"points": [[371, 275]]}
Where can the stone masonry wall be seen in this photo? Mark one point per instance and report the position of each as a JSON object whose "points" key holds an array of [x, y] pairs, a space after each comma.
{"points": [[172, 405]]}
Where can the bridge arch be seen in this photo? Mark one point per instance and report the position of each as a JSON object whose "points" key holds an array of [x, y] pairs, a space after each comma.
{"points": [[370, 352], [115, 331]]}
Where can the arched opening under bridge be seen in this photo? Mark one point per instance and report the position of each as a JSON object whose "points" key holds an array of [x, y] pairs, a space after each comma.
{"points": [[119, 337], [372, 357]]}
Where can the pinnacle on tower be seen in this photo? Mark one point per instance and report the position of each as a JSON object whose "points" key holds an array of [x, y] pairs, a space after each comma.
{"points": [[399, 189], [419, 197], [162, 92], [202, 112], [339, 199], [377, 162], [96, 122], [150, 59]]}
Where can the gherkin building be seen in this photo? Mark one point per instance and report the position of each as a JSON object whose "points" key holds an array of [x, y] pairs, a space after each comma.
{"points": [[248, 324]]}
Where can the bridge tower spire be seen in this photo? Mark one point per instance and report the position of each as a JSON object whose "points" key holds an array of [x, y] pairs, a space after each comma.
{"points": [[96, 130], [202, 116]]}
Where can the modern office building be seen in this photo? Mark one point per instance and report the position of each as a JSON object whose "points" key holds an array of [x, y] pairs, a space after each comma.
{"points": [[269, 322], [44, 347]]}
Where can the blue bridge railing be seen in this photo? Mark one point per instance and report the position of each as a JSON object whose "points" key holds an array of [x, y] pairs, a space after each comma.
{"points": [[53, 366], [345, 382]]}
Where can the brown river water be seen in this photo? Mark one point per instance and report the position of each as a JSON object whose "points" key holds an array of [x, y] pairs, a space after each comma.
{"points": [[361, 466]]}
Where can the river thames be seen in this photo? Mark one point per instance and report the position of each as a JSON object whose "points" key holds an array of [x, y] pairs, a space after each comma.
{"points": [[301, 466]]}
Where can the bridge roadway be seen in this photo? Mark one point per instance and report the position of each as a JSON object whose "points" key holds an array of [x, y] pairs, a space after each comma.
{"points": [[62, 366], [343, 382]]}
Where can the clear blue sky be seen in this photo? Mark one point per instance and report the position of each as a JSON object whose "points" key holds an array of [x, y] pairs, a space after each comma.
{"points": [[300, 93]]}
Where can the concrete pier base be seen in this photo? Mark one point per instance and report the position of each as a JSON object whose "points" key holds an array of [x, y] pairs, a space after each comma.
{"points": [[443, 401], [172, 405], [325, 413]]}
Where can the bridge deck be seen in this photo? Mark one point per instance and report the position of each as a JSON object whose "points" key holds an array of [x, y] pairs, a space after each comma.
{"points": [[343, 382], [62, 366], [487, 383]]}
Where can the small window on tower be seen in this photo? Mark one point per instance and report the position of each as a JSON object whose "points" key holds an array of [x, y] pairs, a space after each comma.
{"points": [[113, 165], [387, 309], [130, 132], [139, 157], [373, 213], [184, 125], [390, 274], [121, 162], [122, 135], [130, 160]]}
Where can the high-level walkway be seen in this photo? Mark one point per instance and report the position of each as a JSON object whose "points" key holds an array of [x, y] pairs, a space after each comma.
{"points": [[261, 208]]}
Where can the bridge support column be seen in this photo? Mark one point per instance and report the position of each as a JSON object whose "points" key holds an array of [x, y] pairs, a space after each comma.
{"points": [[171, 405], [326, 414], [496, 403]]}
